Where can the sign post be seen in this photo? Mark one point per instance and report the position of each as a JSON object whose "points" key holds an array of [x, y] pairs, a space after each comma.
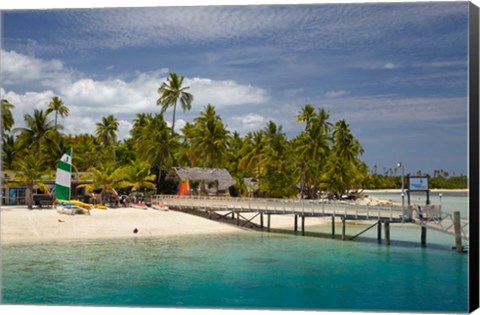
{"points": [[418, 183]]}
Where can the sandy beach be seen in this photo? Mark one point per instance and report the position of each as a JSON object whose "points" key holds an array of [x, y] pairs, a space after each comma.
{"points": [[18, 224]]}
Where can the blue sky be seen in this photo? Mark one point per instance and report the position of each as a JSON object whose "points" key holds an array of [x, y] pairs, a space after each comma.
{"points": [[397, 72]]}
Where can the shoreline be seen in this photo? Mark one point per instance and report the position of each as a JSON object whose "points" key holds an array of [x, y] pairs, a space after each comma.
{"points": [[21, 225]]}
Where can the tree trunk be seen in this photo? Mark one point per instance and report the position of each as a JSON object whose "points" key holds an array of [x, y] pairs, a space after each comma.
{"points": [[173, 122], [159, 176], [29, 196]]}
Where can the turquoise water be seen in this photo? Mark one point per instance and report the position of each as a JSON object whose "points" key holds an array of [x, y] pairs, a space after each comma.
{"points": [[242, 270], [248, 270]]}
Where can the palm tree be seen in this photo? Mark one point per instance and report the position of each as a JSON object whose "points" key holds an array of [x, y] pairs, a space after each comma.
{"points": [[33, 134], [210, 138], [105, 178], [185, 155], [252, 160], [306, 114], [312, 147], [344, 170], [276, 146], [87, 150], [29, 173], [107, 131], [53, 147], [156, 144], [10, 152], [137, 176], [171, 92], [138, 123], [57, 106], [7, 117]]}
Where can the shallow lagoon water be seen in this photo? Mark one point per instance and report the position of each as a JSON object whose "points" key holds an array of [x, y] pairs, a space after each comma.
{"points": [[251, 270], [246, 270]]}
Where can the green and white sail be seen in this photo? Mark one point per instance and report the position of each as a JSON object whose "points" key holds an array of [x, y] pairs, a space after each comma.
{"points": [[63, 179]]}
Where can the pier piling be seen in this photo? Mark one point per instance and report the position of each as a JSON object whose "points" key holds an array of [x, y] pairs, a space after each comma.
{"points": [[303, 225], [423, 236], [333, 226], [296, 224], [387, 233], [343, 228], [268, 222], [379, 231], [458, 232], [261, 220]]}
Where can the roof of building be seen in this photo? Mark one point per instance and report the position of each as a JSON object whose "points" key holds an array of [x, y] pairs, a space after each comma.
{"points": [[220, 175]]}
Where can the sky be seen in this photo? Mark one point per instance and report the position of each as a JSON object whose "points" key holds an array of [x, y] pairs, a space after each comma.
{"points": [[396, 72]]}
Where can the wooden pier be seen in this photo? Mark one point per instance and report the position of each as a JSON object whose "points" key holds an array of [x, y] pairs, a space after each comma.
{"points": [[247, 209]]}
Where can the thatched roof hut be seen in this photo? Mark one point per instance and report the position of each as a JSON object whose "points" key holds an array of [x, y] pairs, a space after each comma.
{"points": [[211, 180]]}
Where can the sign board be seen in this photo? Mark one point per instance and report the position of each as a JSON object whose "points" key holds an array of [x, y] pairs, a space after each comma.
{"points": [[418, 183]]}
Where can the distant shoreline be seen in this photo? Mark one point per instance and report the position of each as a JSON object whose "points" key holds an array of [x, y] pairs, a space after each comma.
{"points": [[399, 191]]}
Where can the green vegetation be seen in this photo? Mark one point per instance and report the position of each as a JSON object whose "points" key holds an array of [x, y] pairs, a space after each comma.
{"points": [[324, 157], [438, 180]]}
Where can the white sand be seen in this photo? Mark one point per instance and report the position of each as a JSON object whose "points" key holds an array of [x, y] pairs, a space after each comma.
{"points": [[19, 224]]}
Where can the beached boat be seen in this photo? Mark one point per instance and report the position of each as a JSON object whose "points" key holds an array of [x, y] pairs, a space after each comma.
{"points": [[160, 206], [63, 182], [139, 206], [71, 209]]}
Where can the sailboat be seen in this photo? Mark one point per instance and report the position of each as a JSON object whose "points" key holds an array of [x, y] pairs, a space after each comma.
{"points": [[63, 186]]}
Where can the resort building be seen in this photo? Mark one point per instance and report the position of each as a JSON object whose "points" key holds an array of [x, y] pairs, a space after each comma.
{"points": [[14, 193], [201, 181]]}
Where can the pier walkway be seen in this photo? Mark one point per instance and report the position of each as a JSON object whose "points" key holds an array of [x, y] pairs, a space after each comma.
{"points": [[308, 208], [345, 210]]}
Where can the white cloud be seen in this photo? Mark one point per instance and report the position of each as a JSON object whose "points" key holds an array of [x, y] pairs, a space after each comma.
{"points": [[389, 65], [179, 124], [89, 99], [246, 123], [20, 68], [224, 93], [124, 127], [26, 103], [375, 65], [333, 94]]}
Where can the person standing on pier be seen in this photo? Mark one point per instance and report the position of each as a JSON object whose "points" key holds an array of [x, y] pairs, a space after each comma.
{"points": [[420, 213]]}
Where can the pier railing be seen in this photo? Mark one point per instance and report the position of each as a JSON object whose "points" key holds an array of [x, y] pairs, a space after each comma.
{"points": [[304, 207], [347, 210]]}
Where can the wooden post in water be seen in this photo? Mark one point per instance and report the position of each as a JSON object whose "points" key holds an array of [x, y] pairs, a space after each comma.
{"points": [[387, 233], [423, 236], [268, 222], [343, 228], [296, 224], [379, 231], [261, 220], [303, 225], [333, 226], [238, 218], [458, 232]]}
